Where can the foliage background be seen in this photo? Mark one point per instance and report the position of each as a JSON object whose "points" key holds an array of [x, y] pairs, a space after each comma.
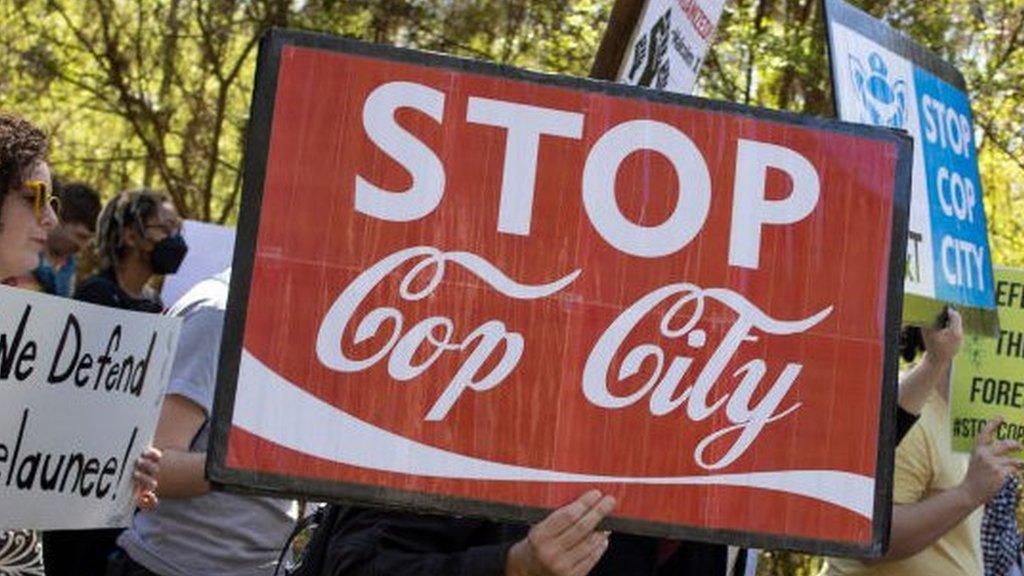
{"points": [[156, 92]]}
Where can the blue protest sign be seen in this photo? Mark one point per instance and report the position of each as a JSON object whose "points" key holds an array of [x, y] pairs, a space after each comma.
{"points": [[881, 77]]}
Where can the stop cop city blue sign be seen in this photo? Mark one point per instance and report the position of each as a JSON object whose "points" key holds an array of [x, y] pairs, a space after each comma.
{"points": [[881, 77]]}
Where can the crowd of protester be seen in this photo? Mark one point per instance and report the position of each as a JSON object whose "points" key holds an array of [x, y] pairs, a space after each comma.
{"points": [[943, 502]]}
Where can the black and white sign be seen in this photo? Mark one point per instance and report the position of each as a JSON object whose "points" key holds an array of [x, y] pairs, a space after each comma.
{"points": [[80, 393]]}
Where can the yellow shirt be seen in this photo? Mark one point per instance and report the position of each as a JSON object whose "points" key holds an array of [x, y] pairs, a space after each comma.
{"points": [[925, 466]]}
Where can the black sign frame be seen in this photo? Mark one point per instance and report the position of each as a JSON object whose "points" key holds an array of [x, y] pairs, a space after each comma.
{"points": [[223, 476]]}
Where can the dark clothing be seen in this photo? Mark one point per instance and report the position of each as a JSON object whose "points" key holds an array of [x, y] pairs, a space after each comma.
{"points": [[78, 552], [370, 542], [103, 289], [121, 564], [698, 559], [904, 422]]}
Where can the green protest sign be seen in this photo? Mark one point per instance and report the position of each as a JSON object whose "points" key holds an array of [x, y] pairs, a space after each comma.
{"points": [[988, 373]]}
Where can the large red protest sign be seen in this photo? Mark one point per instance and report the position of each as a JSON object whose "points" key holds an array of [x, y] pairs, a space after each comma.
{"points": [[472, 289]]}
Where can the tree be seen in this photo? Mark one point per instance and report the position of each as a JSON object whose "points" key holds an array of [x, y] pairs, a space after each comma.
{"points": [[145, 92], [156, 93]]}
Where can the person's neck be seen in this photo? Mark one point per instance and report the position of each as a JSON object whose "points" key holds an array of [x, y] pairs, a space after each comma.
{"points": [[132, 277]]}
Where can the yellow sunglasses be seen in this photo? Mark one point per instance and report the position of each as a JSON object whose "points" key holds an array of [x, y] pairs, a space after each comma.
{"points": [[43, 197]]}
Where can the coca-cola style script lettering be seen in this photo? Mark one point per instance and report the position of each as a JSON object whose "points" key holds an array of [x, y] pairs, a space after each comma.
{"points": [[483, 294]]}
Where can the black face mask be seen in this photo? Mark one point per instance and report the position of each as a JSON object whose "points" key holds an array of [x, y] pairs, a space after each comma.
{"points": [[168, 253]]}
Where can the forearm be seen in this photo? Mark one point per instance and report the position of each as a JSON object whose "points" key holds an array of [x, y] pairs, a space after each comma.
{"points": [[917, 526], [182, 474], [917, 384]]}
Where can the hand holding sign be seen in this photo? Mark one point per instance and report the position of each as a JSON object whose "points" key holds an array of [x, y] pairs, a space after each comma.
{"points": [[943, 343], [990, 466], [147, 467], [565, 543]]}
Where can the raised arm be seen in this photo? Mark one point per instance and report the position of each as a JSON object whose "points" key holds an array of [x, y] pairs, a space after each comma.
{"points": [[916, 526], [941, 345]]}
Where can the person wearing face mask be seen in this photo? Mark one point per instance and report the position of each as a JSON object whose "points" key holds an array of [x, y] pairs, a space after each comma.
{"points": [[138, 237]]}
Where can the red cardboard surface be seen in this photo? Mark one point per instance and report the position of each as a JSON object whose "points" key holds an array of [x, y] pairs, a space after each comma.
{"points": [[720, 374]]}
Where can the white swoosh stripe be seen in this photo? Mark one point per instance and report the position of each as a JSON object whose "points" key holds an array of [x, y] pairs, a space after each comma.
{"points": [[272, 408], [498, 280]]}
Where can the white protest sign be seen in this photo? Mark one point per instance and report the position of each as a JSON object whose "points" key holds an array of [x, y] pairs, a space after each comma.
{"points": [[80, 393], [669, 44], [210, 250]]}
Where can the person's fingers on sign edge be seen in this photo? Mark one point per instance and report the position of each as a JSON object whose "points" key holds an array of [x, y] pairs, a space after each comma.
{"points": [[987, 434], [565, 517], [596, 546], [586, 524], [580, 542]]}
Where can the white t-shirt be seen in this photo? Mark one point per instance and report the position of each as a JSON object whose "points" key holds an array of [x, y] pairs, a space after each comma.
{"points": [[217, 534]]}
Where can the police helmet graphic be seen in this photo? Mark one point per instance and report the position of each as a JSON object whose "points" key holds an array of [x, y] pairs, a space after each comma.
{"points": [[883, 100]]}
